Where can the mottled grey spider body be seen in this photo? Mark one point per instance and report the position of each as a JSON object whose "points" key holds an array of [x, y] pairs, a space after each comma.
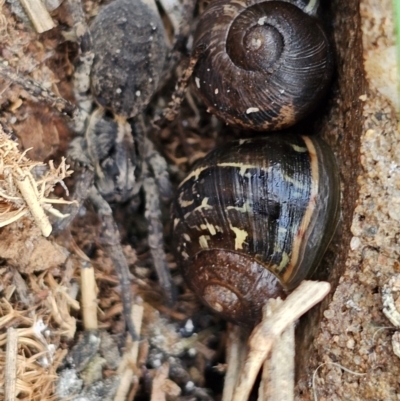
{"points": [[122, 58]]}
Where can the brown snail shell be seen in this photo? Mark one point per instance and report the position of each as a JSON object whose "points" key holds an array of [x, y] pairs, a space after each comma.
{"points": [[265, 64], [253, 219]]}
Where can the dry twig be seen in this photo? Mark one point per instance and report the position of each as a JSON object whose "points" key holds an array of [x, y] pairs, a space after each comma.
{"points": [[236, 355], [278, 371], [35, 368], [301, 300], [11, 364], [38, 15], [21, 192], [89, 297], [129, 367], [157, 391]]}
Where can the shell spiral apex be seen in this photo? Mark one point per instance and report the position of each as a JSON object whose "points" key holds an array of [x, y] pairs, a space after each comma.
{"points": [[265, 65]]}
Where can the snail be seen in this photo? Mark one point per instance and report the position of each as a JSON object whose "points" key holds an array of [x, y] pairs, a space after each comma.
{"points": [[253, 219], [265, 65]]}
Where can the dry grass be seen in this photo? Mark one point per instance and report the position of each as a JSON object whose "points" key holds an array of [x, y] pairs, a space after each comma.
{"points": [[24, 192], [38, 354]]}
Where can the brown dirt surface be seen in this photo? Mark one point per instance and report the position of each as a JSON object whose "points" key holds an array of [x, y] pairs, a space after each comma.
{"points": [[353, 350]]}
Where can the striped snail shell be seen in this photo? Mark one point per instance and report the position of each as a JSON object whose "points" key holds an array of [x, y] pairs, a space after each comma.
{"points": [[253, 219], [265, 64]]}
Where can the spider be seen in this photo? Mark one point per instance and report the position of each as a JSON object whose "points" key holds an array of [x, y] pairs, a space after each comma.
{"points": [[122, 57]]}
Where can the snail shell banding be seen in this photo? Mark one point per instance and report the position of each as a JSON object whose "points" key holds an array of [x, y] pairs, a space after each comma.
{"points": [[253, 219], [265, 64]]}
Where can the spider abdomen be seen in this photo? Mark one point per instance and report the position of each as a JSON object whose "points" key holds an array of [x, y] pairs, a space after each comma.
{"points": [[130, 48]]}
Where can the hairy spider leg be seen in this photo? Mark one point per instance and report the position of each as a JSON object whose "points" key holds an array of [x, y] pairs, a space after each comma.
{"points": [[156, 185], [112, 246]]}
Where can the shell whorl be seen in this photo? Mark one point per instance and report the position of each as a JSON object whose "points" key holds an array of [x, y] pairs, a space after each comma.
{"points": [[265, 65]]}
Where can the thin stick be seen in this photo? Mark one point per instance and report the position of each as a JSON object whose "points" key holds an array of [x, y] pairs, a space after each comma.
{"points": [[278, 371], [37, 91], [157, 391], [128, 366], [14, 217], [38, 15], [134, 389], [11, 364], [29, 195], [174, 106], [236, 355], [89, 297], [302, 299]]}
